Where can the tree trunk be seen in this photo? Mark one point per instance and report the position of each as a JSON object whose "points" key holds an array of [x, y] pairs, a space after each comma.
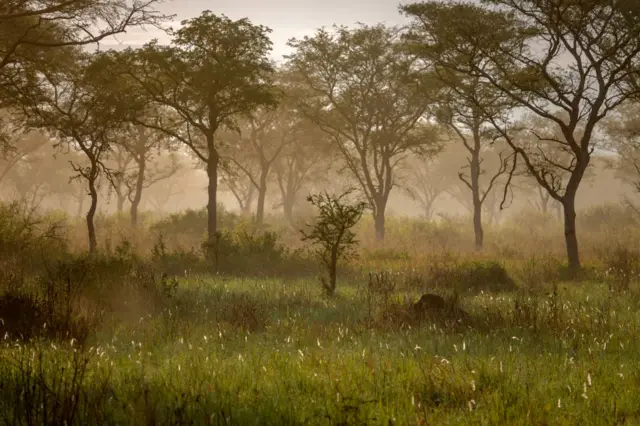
{"points": [[262, 196], [212, 192], [333, 272], [245, 207], [287, 207], [120, 200], [379, 219], [570, 236], [477, 223], [427, 210], [142, 164], [477, 203], [93, 193]]}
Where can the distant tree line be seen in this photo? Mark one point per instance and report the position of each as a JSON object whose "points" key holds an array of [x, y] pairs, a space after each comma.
{"points": [[528, 90]]}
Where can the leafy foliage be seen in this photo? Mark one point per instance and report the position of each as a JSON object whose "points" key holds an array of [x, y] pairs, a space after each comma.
{"points": [[333, 233], [366, 94], [177, 80]]}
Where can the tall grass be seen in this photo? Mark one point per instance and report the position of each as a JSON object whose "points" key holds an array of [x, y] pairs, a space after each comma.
{"points": [[139, 342]]}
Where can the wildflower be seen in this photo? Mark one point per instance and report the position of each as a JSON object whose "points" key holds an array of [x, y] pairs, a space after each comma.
{"points": [[559, 403]]}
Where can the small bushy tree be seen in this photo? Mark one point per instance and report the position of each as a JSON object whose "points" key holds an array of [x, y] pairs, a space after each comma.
{"points": [[332, 233]]}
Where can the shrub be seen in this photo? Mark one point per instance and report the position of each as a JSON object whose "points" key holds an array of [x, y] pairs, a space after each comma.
{"points": [[177, 261], [193, 223], [332, 232], [474, 276], [26, 241], [248, 251]]}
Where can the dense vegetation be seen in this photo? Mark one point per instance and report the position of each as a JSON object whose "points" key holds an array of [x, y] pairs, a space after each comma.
{"points": [[334, 311]]}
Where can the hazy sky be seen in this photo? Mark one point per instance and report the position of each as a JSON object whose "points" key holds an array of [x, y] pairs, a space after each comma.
{"points": [[287, 18]]}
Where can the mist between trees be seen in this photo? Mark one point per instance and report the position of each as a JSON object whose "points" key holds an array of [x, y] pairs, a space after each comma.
{"points": [[531, 95], [454, 178]]}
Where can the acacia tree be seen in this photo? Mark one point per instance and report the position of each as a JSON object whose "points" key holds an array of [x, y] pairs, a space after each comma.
{"points": [[467, 123], [79, 110], [258, 145], [465, 107], [122, 162], [140, 147], [368, 98], [426, 180], [30, 26], [215, 71], [35, 33], [306, 160], [576, 57], [538, 135], [238, 183]]}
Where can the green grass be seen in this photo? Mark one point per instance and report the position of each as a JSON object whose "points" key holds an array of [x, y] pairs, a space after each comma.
{"points": [[276, 352]]}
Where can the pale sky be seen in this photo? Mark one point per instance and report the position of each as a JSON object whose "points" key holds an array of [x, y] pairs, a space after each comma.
{"points": [[287, 18]]}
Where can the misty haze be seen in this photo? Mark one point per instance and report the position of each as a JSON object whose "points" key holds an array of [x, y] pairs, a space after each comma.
{"points": [[327, 213]]}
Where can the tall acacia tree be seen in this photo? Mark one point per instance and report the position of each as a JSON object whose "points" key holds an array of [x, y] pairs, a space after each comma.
{"points": [[136, 152], [367, 96], [215, 71], [580, 58], [461, 115], [236, 181], [465, 108], [259, 143], [428, 179], [35, 33], [306, 160], [80, 111]]}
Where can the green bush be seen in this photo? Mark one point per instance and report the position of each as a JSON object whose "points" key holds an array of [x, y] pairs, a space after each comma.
{"points": [[245, 250], [193, 223]]}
